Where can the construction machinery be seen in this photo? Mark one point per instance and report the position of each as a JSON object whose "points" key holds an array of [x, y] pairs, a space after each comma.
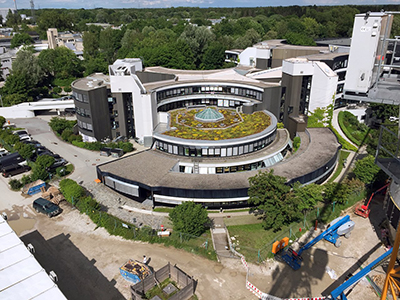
{"points": [[341, 226], [364, 210], [339, 292]]}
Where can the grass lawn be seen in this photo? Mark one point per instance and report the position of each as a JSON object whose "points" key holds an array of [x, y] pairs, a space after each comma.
{"points": [[342, 157]]}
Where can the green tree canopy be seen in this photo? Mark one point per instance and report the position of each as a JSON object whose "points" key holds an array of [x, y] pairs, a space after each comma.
{"points": [[190, 218], [308, 196], [61, 63], [27, 151], [272, 197], [21, 39], [366, 170]]}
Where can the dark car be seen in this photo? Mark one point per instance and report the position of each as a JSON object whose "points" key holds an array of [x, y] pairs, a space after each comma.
{"points": [[14, 169], [46, 207], [10, 159]]}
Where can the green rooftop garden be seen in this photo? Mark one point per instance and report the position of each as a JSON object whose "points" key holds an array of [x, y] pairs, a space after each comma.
{"points": [[234, 125]]}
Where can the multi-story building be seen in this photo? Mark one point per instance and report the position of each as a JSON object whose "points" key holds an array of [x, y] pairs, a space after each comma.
{"points": [[212, 169]]}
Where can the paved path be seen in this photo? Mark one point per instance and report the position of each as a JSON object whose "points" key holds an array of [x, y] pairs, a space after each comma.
{"points": [[220, 238]]}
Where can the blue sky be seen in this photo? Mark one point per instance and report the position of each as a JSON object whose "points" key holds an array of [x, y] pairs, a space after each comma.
{"points": [[89, 4]]}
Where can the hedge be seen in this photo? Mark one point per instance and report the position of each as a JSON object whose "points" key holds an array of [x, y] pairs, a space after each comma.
{"points": [[346, 130], [75, 194], [345, 144]]}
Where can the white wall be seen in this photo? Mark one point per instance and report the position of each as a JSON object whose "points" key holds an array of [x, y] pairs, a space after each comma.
{"points": [[323, 86], [364, 42], [297, 67], [145, 118], [14, 112], [255, 53]]}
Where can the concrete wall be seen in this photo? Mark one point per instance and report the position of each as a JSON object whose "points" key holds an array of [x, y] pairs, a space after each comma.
{"points": [[280, 54]]}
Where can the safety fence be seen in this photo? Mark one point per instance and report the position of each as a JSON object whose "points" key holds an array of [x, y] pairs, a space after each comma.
{"points": [[318, 216], [195, 244], [186, 283]]}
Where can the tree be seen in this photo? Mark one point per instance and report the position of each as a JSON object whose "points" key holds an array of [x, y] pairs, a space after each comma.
{"points": [[198, 39], [2, 121], [366, 170], [308, 196], [336, 192], [190, 218], [44, 161], [21, 39], [27, 64], [61, 63], [27, 151], [90, 43], [272, 197], [214, 57]]}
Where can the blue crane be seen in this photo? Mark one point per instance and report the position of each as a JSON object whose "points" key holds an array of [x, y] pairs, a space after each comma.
{"points": [[338, 227], [338, 293]]}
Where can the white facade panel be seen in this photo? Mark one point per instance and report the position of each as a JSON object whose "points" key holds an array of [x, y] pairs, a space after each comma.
{"points": [[364, 42], [323, 87], [248, 56], [297, 67]]}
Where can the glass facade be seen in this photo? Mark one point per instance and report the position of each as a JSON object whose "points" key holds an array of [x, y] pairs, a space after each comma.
{"points": [[209, 89], [215, 151]]}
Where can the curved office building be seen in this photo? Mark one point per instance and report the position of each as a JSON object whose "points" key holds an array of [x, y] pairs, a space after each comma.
{"points": [[207, 133]]}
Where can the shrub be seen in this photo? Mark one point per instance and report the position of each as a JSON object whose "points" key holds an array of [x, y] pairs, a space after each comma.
{"points": [[74, 137], [71, 190], [26, 179], [15, 184], [57, 90], [59, 125], [62, 171], [125, 146], [296, 143], [66, 134], [67, 89]]}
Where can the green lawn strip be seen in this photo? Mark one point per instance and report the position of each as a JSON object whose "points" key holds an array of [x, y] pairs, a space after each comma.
{"points": [[242, 220], [345, 144], [162, 209], [343, 155], [347, 130], [169, 209]]}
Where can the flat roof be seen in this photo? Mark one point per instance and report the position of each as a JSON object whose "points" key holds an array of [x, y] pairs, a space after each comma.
{"points": [[153, 168], [21, 276], [91, 82], [194, 76]]}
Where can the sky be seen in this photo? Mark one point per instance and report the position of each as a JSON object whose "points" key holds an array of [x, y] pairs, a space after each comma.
{"points": [[90, 4]]}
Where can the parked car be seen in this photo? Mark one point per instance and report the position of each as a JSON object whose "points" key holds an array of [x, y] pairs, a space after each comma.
{"points": [[12, 158], [46, 207], [14, 169], [23, 135], [57, 163], [3, 152], [36, 144]]}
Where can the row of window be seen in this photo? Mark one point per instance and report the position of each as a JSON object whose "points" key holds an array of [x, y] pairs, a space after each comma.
{"points": [[85, 125], [226, 90], [194, 102], [82, 112], [221, 170], [214, 151], [80, 97]]}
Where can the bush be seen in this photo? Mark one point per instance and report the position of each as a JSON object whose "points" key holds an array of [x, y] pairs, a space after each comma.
{"points": [[26, 179], [62, 171], [67, 89], [125, 146], [71, 190], [296, 143], [15, 184], [59, 125], [66, 134], [74, 137], [57, 90]]}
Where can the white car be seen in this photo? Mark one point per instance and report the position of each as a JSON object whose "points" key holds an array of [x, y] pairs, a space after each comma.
{"points": [[23, 135], [3, 152]]}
